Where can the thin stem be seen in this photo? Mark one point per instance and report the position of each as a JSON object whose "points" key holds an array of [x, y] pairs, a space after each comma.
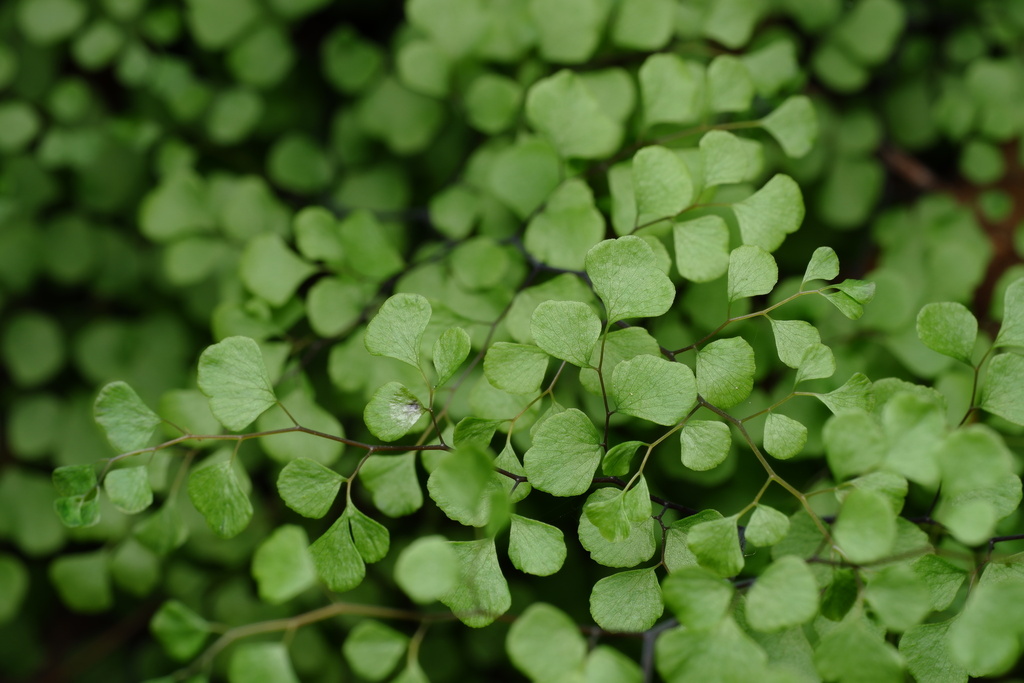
{"points": [[747, 316]]}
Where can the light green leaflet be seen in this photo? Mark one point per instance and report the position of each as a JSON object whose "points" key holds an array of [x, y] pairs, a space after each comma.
{"points": [[672, 89], [534, 547], [427, 569], [866, 527], [783, 596], [704, 444], [563, 108], [1011, 332], [567, 228], [752, 271], [854, 395], [398, 327], [373, 649], [661, 184], [626, 275], [770, 214], [392, 412], [792, 337], [729, 158], [816, 362], [627, 602], [899, 598], [516, 368], [638, 546], [702, 248], [450, 351], [767, 526], [1000, 394], [232, 374], [730, 88], [481, 594], [654, 389], [269, 661], [218, 495], [523, 175], [716, 545], [794, 125], [271, 270], [128, 422], [643, 24], [393, 483], [544, 643], [308, 487], [568, 330], [565, 454], [459, 485], [698, 598], [282, 565], [723, 653], [128, 489], [948, 328], [824, 265], [181, 631], [784, 437], [725, 371]]}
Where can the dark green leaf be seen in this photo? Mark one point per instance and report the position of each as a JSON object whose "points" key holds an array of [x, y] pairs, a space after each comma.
{"points": [[716, 544], [393, 484], [698, 598], [785, 595], [308, 487], [534, 547]]}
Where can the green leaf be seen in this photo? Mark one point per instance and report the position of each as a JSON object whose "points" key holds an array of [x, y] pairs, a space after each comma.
{"points": [[716, 545], [784, 437], [261, 662], [722, 653], [767, 526], [616, 462], [704, 444], [128, 422], [302, 408], [626, 275], [14, 582], [459, 485], [672, 89], [866, 527], [568, 330], [730, 88], [926, 649], [654, 389], [271, 270], [771, 213], [698, 598], [1000, 394], [942, 578], [163, 531], [702, 248], [824, 265], [218, 496], [308, 488], [898, 598], [128, 489], [282, 565], [617, 346], [398, 327], [481, 594], [371, 538], [794, 126], [567, 228], [392, 483], [516, 368], [856, 651], [427, 569], [450, 351], [792, 337], [563, 108], [638, 546], [181, 631], [565, 454], [392, 411], [234, 377], [729, 159], [608, 514], [854, 395], [74, 480], [854, 443], [840, 596], [369, 252], [534, 547], [948, 328], [568, 31], [662, 184], [1011, 332], [725, 371], [643, 24], [78, 511], [83, 581], [492, 105], [524, 175], [870, 30], [816, 362], [605, 664], [985, 639], [337, 560], [544, 643], [783, 596], [752, 271], [373, 650], [627, 602]]}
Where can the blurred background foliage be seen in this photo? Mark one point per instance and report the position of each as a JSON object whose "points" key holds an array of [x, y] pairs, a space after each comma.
{"points": [[172, 173]]}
